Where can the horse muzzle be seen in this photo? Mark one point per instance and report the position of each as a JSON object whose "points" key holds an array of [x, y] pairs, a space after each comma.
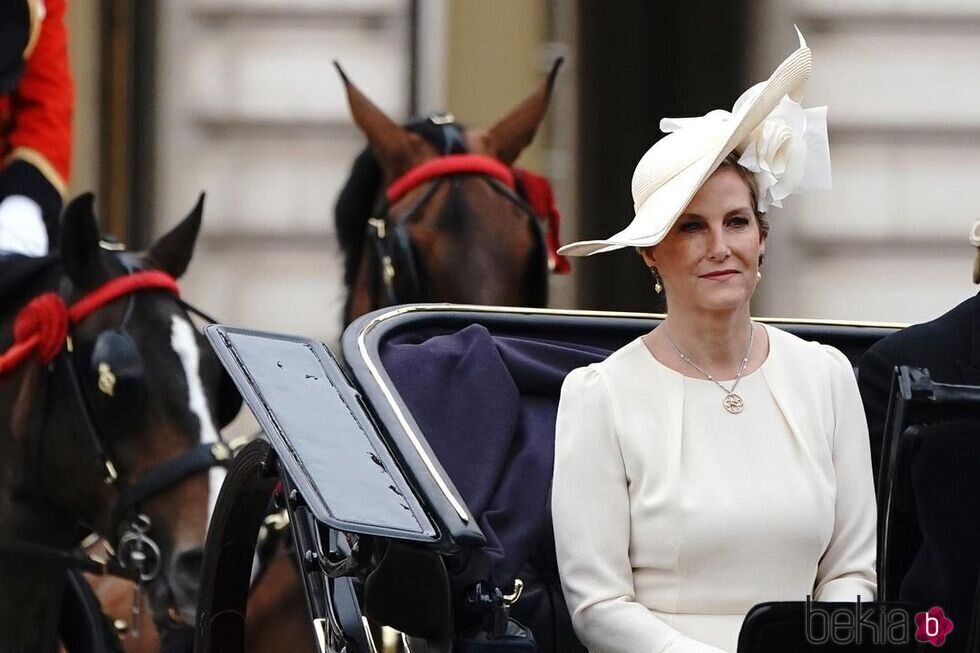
{"points": [[181, 581]]}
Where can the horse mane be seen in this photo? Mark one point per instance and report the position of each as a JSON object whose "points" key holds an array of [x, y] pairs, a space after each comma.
{"points": [[353, 209], [359, 196]]}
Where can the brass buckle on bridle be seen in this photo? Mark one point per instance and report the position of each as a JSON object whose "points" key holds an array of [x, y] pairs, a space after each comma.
{"points": [[379, 226]]}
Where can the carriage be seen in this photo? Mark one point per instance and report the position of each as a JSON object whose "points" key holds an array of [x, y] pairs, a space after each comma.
{"points": [[416, 476]]}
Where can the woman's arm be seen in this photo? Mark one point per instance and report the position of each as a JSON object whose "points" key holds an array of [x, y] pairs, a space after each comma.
{"points": [[590, 507], [847, 568]]}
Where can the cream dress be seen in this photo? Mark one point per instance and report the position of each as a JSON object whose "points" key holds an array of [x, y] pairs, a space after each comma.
{"points": [[673, 517]]}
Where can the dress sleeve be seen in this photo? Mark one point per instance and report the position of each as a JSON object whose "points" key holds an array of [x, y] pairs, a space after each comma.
{"points": [[590, 508], [847, 568]]}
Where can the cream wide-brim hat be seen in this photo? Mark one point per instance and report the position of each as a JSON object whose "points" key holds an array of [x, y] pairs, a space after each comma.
{"points": [[671, 172]]}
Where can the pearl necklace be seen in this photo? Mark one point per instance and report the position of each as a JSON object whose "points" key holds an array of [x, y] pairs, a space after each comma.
{"points": [[732, 402]]}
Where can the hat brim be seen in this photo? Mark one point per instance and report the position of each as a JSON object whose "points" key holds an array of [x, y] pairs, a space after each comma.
{"points": [[656, 216]]}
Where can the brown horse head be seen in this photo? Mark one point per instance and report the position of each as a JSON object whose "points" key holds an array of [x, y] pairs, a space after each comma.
{"points": [[463, 237], [138, 371]]}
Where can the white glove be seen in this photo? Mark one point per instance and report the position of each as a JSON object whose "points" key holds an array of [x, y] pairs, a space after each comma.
{"points": [[22, 229]]}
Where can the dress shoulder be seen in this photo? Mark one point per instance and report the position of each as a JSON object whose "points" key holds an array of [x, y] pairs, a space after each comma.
{"points": [[623, 362], [627, 360], [581, 380], [785, 344]]}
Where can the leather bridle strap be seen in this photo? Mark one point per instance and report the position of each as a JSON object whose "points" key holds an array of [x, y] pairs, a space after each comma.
{"points": [[395, 272], [194, 310], [166, 475], [72, 559], [111, 475]]}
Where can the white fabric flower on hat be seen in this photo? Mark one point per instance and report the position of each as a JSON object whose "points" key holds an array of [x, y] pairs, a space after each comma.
{"points": [[788, 151], [975, 234]]}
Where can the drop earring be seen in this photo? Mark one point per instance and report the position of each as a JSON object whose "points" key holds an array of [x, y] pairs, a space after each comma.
{"points": [[758, 275], [656, 281]]}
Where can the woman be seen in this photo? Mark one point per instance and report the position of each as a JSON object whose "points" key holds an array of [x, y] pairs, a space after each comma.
{"points": [[714, 463]]}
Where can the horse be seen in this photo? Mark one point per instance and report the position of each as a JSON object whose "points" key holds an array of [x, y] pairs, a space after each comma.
{"points": [[435, 212], [110, 404], [431, 212]]}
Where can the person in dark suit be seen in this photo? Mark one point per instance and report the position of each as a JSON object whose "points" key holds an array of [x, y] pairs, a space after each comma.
{"points": [[948, 346], [946, 562]]}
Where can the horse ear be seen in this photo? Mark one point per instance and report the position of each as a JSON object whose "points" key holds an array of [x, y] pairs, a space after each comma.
{"points": [[514, 132], [173, 251], [396, 149], [80, 250]]}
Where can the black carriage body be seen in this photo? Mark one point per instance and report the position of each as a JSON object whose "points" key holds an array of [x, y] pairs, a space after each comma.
{"points": [[323, 434], [417, 399]]}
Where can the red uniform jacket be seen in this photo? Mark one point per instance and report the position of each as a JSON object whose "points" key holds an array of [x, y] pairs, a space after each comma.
{"points": [[35, 120]]}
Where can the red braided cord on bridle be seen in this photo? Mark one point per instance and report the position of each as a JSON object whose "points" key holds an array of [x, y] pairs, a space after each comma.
{"points": [[450, 164], [41, 327]]}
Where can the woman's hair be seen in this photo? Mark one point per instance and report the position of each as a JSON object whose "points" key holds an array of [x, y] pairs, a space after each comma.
{"points": [[763, 220]]}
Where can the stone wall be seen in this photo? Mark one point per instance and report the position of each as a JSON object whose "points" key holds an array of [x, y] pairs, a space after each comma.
{"points": [[889, 242]]}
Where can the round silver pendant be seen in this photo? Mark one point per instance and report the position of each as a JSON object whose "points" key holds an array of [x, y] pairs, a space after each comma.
{"points": [[733, 403]]}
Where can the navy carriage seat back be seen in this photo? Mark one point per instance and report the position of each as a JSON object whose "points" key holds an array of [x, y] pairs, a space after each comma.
{"points": [[487, 406]]}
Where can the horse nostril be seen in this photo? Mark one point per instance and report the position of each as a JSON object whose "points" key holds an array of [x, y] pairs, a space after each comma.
{"points": [[185, 579], [187, 566]]}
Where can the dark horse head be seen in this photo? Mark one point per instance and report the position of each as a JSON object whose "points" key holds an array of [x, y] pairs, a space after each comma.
{"points": [[460, 234], [106, 436]]}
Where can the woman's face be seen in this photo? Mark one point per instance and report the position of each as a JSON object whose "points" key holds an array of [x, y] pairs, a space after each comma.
{"points": [[709, 259]]}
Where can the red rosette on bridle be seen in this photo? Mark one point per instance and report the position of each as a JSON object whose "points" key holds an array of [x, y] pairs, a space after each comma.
{"points": [[40, 329], [539, 196]]}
